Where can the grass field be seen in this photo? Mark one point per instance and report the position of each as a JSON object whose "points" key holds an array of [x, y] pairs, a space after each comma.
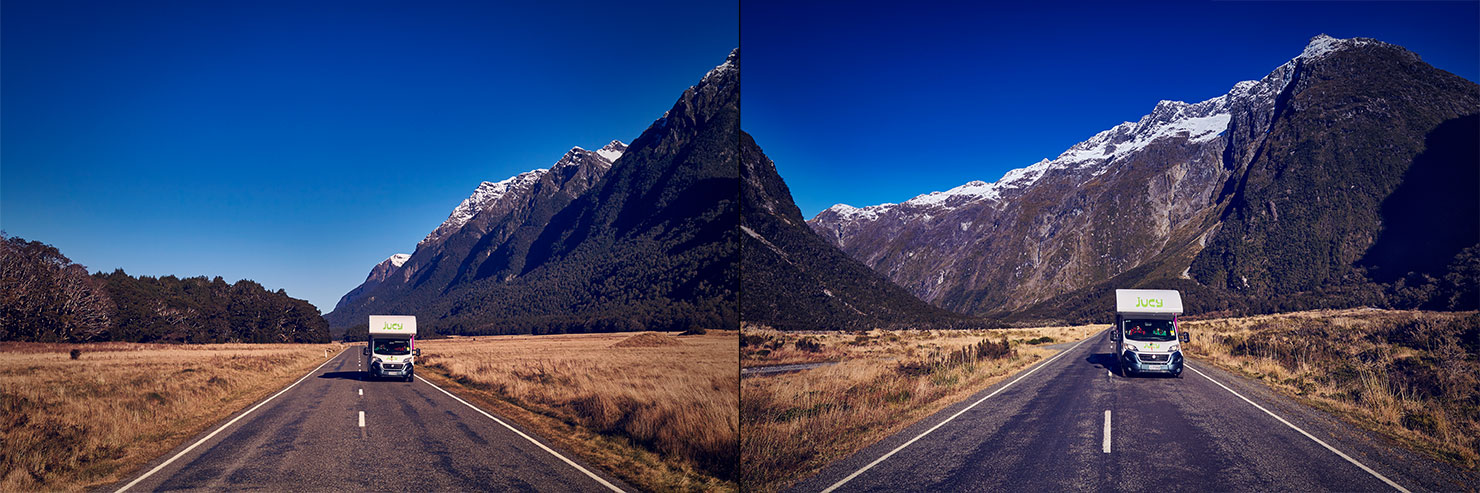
{"points": [[73, 424], [1412, 376], [881, 382], [657, 410]]}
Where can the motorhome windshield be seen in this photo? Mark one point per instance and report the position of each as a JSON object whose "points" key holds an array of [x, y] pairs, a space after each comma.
{"points": [[1150, 330], [392, 347]]}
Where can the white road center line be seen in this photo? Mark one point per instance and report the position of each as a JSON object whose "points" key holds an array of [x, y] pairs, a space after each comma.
{"points": [[526, 437], [218, 430], [1307, 435], [1106, 443], [362, 419], [362, 391], [947, 420]]}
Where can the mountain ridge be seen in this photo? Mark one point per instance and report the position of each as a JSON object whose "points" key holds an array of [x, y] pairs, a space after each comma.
{"points": [[590, 244], [1157, 192]]}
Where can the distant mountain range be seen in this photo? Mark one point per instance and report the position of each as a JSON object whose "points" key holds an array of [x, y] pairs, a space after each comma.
{"points": [[1348, 175], [622, 238]]}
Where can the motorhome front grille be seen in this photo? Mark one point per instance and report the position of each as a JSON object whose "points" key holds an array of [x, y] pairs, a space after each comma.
{"points": [[392, 366], [1155, 358]]}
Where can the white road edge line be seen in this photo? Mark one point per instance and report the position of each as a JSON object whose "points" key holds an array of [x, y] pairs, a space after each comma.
{"points": [[222, 427], [1307, 435], [947, 420], [526, 437], [1106, 443], [362, 419]]}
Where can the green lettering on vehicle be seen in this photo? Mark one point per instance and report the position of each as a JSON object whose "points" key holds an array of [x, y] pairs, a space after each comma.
{"points": [[1148, 303], [391, 326]]}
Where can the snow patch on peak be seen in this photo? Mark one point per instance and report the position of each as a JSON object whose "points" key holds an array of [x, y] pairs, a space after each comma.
{"points": [[1319, 45], [849, 213], [970, 192], [732, 62], [1197, 122], [1322, 44], [612, 150], [486, 193], [398, 259]]}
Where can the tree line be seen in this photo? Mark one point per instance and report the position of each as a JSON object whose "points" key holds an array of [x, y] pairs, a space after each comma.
{"points": [[45, 297]]}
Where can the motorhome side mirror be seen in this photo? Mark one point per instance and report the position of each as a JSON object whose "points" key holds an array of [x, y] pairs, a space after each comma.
{"points": [[1186, 337], [418, 352], [365, 350]]}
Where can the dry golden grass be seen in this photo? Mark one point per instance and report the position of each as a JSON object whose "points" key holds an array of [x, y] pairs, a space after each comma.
{"points": [[765, 346], [883, 381], [661, 414], [648, 339], [1413, 376], [72, 424]]}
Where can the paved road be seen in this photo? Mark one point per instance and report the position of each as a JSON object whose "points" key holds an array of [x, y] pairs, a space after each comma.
{"points": [[414, 437], [1047, 431]]}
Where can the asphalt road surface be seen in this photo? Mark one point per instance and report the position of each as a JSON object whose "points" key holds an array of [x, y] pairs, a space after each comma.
{"points": [[1068, 425], [332, 431]]}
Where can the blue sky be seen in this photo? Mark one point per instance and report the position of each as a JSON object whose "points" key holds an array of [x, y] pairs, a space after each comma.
{"points": [[299, 143], [871, 103]]}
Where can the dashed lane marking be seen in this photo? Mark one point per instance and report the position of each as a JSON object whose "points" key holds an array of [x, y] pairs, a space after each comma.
{"points": [[1105, 445]]}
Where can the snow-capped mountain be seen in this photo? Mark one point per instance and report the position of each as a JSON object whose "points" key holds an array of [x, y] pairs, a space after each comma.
{"points": [[489, 195], [490, 216], [1157, 190], [378, 275]]}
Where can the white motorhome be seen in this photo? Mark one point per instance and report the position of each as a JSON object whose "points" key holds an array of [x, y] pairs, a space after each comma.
{"points": [[391, 350], [1146, 334]]}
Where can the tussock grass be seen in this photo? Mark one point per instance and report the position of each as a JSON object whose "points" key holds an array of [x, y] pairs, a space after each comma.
{"points": [[70, 424], [661, 414], [1410, 375], [883, 381]]}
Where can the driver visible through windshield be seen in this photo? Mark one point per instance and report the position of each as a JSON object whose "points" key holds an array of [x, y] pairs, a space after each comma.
{"points": [[393, 347], [1150, 330]]}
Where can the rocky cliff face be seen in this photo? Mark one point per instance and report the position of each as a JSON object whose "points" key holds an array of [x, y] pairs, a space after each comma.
{"points": [[1188, 192]]}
